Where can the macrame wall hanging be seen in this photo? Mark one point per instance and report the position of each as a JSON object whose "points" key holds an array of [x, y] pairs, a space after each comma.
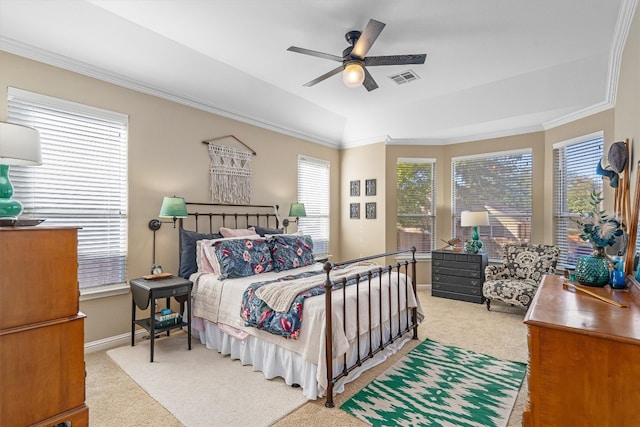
{"points": [[230, 170]]}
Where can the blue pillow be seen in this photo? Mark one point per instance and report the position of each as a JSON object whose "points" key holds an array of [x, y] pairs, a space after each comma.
{"points": [[242, 257], [264, 230], [291, 251], [188, 241]]}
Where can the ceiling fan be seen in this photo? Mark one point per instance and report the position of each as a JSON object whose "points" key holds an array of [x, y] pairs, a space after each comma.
{"points": [[354, 60]]}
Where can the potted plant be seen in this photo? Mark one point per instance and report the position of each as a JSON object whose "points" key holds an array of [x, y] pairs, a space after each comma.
{"points": [[601, 229]]}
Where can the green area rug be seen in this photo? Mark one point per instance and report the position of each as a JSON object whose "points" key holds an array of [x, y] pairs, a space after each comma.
{"points": [[441, 385]]}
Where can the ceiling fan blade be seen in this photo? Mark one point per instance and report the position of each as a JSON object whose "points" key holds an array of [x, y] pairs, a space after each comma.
{"points": [[314, 53], [368, 36], [368, 82], [324, 76], [395, 60]]}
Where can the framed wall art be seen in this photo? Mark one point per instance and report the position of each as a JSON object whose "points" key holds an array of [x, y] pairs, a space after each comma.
{"points": [[370, 187], [355, 188], [354, 210], [370, 210]]}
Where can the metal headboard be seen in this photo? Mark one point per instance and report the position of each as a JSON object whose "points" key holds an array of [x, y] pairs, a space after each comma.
{"points": [[209, 217]]}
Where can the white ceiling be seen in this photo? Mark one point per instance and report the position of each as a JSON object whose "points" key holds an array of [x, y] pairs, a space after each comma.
{"points": [[494, 67]]}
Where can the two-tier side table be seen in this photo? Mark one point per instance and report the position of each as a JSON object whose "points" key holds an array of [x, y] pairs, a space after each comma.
{"points": [[144, 291]]}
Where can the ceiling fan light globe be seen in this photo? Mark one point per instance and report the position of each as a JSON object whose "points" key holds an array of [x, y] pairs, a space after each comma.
{"points": [[353, 75]]}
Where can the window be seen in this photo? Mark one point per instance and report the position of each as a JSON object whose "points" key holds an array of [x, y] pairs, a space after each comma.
{"points": [[416, 215], [313, 191], [82, 180], [499, 183], [574, 178]]}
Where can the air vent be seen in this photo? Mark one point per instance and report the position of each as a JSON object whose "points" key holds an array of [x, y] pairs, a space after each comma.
{"points": [[404, 77]]}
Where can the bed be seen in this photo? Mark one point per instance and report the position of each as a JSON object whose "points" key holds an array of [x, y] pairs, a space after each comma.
{"points": [[259, 296]]}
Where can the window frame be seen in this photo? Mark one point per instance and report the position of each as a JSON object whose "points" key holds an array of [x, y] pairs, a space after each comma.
{"points": [[502, 222], [310, 188], [429, 216], [562, 216], [83, 182]]}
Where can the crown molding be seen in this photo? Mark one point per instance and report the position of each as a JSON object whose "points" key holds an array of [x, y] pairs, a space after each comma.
{"points": [[623, 24], [27, 51]]}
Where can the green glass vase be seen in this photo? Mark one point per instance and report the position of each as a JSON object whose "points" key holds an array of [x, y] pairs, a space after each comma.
{"points": [[593, 270]]}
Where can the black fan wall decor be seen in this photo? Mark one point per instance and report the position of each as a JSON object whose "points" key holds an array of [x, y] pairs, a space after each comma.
{"points": [[354, 61]]}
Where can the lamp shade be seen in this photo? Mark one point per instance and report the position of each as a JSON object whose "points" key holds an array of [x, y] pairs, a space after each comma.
{"points": [[19, 145], [297, 210], [353, 74], [173, 207], [473, 219]]}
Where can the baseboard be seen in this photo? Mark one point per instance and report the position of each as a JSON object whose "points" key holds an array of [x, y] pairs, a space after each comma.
{"points": [[112, 342]]}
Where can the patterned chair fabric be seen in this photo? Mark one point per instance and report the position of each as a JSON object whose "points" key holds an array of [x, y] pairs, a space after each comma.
{"points": [[516, 280]]}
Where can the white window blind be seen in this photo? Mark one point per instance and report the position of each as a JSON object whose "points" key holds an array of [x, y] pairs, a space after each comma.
{"points": [[574, 178], [313, 191], [82, 180], [499, 183], [416, 215]]}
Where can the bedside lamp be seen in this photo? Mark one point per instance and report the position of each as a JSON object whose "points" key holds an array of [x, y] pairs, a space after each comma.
{"points": [[474, 219], [296, 210], [172, 207], [19, 146]]}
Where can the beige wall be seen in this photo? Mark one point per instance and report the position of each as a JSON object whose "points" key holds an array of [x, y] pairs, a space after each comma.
{"points": [[361, 237], [166, 157]]}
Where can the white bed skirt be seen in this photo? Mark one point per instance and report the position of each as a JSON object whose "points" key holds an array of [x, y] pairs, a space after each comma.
{"points": [[274, 361]]}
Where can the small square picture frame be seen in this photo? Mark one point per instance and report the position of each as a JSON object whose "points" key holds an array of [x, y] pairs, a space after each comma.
{"points": [[354, 188], [370, 210], [370, 187], [354, 210]]}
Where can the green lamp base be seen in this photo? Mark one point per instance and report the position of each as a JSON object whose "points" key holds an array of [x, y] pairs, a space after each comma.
{"points": [[10, 208]]}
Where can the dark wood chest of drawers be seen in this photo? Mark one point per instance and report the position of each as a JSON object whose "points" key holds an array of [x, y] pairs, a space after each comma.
{"points": [[458, 275]]}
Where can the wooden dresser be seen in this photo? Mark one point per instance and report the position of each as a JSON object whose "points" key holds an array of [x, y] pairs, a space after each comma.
{"points": [[584, 357], [458, 275], [41, 330]]}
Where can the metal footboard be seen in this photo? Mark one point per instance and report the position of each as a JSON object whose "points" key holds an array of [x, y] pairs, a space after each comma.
{"points": [[368, 280]]}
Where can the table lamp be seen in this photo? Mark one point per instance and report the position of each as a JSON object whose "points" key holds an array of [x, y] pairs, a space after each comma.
{"points": [[19, 146], [474, 219], [172, 207]]}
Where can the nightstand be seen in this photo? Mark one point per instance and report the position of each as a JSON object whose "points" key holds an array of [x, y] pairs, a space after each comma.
{"points": [[144, 291]]}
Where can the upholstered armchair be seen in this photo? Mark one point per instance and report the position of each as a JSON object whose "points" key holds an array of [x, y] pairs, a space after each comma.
{"points": [[516, 280]]}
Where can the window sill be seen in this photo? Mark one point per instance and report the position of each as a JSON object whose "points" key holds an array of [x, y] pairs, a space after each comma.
{"points": [[104, 291]]}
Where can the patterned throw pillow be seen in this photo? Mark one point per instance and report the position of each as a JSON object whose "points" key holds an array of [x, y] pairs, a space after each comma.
{"points": [[289, 251], [242, 257]]}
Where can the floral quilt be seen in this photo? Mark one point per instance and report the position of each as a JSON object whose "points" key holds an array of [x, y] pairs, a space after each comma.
{"points": [[255, 312]]}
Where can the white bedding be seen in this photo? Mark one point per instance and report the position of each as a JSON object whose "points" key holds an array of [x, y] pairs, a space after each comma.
{"points": [[216, 309]]}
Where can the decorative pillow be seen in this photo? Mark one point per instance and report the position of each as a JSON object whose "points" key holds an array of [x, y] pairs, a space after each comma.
{"points": [[290, 251], [188, 239], [236, 232], [242, 257], [210, 262], [203, 247], [264, 230]]}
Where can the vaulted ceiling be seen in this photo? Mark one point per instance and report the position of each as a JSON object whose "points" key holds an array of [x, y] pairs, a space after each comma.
{"points": [[493, 67]]}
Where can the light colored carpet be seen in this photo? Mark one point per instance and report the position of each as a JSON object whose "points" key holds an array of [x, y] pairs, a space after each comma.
{"points": [[116, 400], [203, 388]]}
